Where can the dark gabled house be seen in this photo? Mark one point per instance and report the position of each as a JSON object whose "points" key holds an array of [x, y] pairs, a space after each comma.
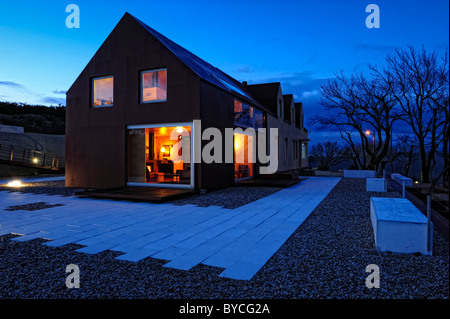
{"points": [[141, 96]]}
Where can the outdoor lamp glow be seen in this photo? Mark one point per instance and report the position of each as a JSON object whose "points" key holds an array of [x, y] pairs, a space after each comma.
{"points": [[35, 160], [368, 132], [15, 183]]}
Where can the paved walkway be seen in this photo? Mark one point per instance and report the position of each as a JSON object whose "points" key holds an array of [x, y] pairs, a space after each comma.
{"points": [[240, 240]]}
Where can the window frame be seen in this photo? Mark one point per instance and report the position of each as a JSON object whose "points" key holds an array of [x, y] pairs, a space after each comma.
{"points": [[93, 95], [141, 85]]}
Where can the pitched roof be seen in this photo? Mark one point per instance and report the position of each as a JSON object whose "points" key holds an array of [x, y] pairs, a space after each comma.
{"points": [[267, 93], [203, 69], [288, 99]]}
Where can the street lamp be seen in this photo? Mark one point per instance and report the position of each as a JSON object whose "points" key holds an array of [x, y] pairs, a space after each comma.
{"points": [[373, 138]]}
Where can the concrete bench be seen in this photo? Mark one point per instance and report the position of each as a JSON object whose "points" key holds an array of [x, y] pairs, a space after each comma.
{"points": [[394, 176], [359, 173], [399, 178], [398, 226], [403, 179], [376, 185]]}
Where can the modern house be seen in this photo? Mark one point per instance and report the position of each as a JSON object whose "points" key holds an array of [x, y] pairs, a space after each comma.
{"points": [[141, 96]]}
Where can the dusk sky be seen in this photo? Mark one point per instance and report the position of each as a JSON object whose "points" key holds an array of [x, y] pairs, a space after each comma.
{"points": [[298, 43]]}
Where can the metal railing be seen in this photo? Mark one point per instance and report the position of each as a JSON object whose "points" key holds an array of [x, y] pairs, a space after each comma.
{"points": [[30, 157]]}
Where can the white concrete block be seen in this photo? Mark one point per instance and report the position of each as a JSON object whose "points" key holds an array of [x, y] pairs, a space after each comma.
{"points": [[359, 173], [376, 185], [398, 226]]}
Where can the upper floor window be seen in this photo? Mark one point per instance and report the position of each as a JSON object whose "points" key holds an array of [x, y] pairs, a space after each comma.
{"points": [[102, 91], [153, 86], [247, 116], [243, 113]]}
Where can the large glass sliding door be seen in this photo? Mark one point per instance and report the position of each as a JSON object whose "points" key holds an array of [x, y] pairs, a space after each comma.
{"points": [[160, 155]]}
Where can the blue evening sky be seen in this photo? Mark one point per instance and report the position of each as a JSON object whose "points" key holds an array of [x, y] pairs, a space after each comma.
{"points": [[299, 43]]}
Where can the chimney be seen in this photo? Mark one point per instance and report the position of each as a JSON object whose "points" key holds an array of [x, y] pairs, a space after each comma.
{"points": [[244, 82]]}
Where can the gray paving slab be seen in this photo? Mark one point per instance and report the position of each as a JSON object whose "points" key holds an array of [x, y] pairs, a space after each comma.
{"points": [[239, 240], [137, 254]]}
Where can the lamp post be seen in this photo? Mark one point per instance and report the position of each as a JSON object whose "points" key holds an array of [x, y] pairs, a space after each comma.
{"points": [[373, 138]]}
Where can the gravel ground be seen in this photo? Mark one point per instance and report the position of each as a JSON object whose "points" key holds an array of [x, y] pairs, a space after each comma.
{"points": [[325, 258], [32, 206], [231, 197]]}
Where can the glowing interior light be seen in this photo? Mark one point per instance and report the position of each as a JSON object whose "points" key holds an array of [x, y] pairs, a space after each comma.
{"points": [[179, 129], [35, 160], [163, 150], [15, 183]]}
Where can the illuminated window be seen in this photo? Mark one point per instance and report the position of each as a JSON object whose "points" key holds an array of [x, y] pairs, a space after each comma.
{"points": [[153, 86], [102, 91], [243, 114]]}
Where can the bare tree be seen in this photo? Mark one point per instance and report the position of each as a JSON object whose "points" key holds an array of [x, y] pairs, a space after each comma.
{"points": [[327, 154], [404, 154], [441, 102], [355, 105], [419, 83]]}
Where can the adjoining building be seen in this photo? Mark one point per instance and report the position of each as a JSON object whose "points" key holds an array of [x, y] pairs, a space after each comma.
{"points": [[139, 88]]}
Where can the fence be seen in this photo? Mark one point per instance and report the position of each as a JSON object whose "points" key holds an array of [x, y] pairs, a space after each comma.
{"points": [[30, 157]]}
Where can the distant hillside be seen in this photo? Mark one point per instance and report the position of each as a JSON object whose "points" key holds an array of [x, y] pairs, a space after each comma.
{"points": [[34, 118]]}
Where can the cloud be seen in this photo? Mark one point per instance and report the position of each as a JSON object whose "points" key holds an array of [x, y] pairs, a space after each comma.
{"points": [[59, 91], [244, 69], [305, 86], [15, 92], [53, 100], [308, 94], [375, 47], [12, 84]]}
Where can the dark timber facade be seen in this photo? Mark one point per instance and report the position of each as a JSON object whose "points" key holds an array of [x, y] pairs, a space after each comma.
{"points": [[139, 88]]}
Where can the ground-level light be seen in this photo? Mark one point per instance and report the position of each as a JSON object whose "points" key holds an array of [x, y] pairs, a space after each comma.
{"points": [[15, 183]]}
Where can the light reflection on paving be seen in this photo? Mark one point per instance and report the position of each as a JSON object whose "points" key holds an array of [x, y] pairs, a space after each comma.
{"points": [[240, 240]]}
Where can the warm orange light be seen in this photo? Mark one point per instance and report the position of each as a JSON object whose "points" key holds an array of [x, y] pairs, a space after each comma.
{"points": [[15, 183], [179, 129], [368, 132], [163, 150]]}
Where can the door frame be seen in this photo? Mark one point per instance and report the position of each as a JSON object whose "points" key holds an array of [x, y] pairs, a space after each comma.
{"points": [[191, 185]]}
